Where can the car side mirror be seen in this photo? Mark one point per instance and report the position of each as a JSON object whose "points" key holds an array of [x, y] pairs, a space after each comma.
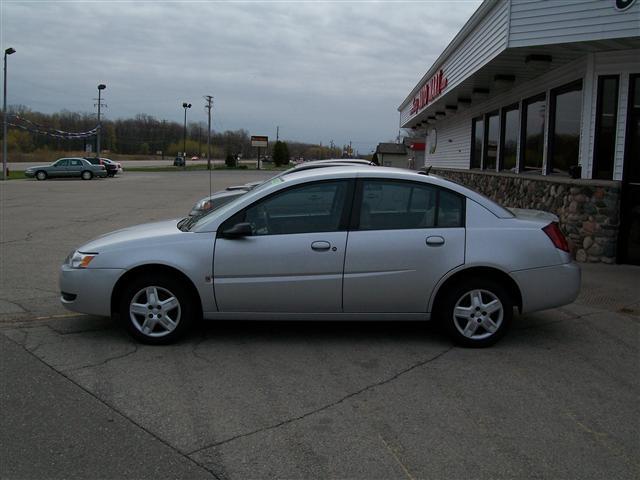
{"points": [[238, 230]]}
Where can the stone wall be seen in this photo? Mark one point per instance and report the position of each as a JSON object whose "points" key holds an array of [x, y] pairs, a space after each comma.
{"points": [[588, 210]]}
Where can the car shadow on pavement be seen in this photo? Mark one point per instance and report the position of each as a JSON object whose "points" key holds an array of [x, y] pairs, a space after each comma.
{"points": [[323, 331], [524, 327]]}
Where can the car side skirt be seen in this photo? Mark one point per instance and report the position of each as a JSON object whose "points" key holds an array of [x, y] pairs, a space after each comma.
{"points": [[320, 317]]}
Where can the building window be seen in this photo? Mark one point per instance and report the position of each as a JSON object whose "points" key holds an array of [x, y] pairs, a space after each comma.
{"points": [[477, 136], [564, 133], [492, 127], [509, 138], [605, 133], [532, 140]]}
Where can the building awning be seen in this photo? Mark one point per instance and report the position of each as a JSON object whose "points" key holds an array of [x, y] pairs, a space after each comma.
{"points": [[508, 70]]}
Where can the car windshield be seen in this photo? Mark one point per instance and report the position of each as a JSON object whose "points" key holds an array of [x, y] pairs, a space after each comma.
{"points": [[188, 223]]}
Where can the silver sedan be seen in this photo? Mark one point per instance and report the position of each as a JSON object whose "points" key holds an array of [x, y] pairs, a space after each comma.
{"points": [[339, 243]]}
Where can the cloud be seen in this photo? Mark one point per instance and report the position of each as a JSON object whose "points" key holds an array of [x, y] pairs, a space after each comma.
{"points": [[321, 70]]}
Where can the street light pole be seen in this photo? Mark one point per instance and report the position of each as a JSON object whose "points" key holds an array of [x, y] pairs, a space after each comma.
{"points": [[8, 51], [100, 88], [185, 105]]}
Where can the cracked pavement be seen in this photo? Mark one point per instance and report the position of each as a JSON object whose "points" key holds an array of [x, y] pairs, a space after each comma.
{"points": [[556, 398]]}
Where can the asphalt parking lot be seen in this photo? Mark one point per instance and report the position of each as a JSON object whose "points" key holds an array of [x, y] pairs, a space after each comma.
{"points": [[556, 398]]}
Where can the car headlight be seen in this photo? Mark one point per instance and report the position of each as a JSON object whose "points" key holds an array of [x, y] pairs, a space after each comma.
{"points": [[79, 260]]}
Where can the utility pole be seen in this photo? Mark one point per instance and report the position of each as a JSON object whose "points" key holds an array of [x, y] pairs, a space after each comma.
{"points": [[8, 51], [209, 106], [164, 137], [199, 139], [185, 105], [277, 133], [100, 88], [350, 150]]}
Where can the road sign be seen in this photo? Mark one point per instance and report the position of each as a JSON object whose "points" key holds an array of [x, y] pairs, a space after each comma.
{"points": [[259, 141]]}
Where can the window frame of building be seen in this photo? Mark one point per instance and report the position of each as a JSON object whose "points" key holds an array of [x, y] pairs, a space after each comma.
{"points": [[554, 93], [595, 171], [503, 119], [522, 167], [475, 163], [485, 139]]}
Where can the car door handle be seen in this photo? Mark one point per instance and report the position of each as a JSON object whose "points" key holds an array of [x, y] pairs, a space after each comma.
{"points": [[321, 245], [435, 241]]}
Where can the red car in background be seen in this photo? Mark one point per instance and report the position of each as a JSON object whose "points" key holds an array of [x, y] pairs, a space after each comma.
{"points": [[112, 167]]}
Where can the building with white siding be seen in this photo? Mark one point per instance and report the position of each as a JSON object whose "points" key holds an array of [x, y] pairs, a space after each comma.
{"points": [[537, 104]]}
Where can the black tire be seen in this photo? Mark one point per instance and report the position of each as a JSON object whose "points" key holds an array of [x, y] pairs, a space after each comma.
{"points": [[184, 314], [473, 328], [41, 175], [86, 175]]}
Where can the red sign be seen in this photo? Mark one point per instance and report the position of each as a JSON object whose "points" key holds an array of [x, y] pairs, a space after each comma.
{"points": [[429, 92], [417, 147]]}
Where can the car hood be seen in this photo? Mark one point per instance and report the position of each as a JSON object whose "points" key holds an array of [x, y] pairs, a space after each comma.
{"points": [[149, 233], [38, 166]]}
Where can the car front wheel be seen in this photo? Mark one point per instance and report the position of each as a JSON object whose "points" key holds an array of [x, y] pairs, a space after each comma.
{"points": [[41, 175], [157, 309], [477, 312]]}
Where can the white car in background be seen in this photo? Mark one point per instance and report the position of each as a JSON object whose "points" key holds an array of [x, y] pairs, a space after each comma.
{"points": [[218, 199], [340, 243]]}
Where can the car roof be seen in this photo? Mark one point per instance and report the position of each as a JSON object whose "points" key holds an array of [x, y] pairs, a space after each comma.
{"points": [[362, 171]]}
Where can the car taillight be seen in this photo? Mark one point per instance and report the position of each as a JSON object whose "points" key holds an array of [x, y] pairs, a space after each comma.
{"points": [[556, 236]]}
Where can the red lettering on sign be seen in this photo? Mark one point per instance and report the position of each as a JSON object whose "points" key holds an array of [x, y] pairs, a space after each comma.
{"points": [[429, 92]]}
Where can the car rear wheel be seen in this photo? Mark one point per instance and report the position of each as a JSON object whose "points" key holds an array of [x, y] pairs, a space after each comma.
{"points": [[477, 312], [41, 175], [157, 309], [87, 175]]}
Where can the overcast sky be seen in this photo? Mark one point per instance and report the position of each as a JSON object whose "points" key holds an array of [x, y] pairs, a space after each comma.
{"points": [[321, 70]]}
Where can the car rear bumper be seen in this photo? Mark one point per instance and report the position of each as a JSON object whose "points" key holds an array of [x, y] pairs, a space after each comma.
{"points": [[88, 290], [548, 287]]}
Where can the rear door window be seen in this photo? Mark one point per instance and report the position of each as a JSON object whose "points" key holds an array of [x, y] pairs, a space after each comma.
{"points": [[391, 205]]}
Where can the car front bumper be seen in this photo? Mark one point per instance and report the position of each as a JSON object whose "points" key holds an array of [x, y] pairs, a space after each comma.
{"points": [[88, 290], [29, 174], [548, 287]]}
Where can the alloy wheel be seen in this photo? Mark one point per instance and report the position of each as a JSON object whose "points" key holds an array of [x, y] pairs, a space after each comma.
{"points": [[155, 311], [478, 314]]}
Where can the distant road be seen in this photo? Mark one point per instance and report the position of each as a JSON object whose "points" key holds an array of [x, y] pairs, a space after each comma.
{"points": [[131, 163]]}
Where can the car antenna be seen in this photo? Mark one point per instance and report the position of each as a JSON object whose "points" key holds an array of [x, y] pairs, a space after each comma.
{"points": [[425, 171]]}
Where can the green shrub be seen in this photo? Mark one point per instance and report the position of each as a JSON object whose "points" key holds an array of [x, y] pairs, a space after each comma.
{"points": [[280, 154]]}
